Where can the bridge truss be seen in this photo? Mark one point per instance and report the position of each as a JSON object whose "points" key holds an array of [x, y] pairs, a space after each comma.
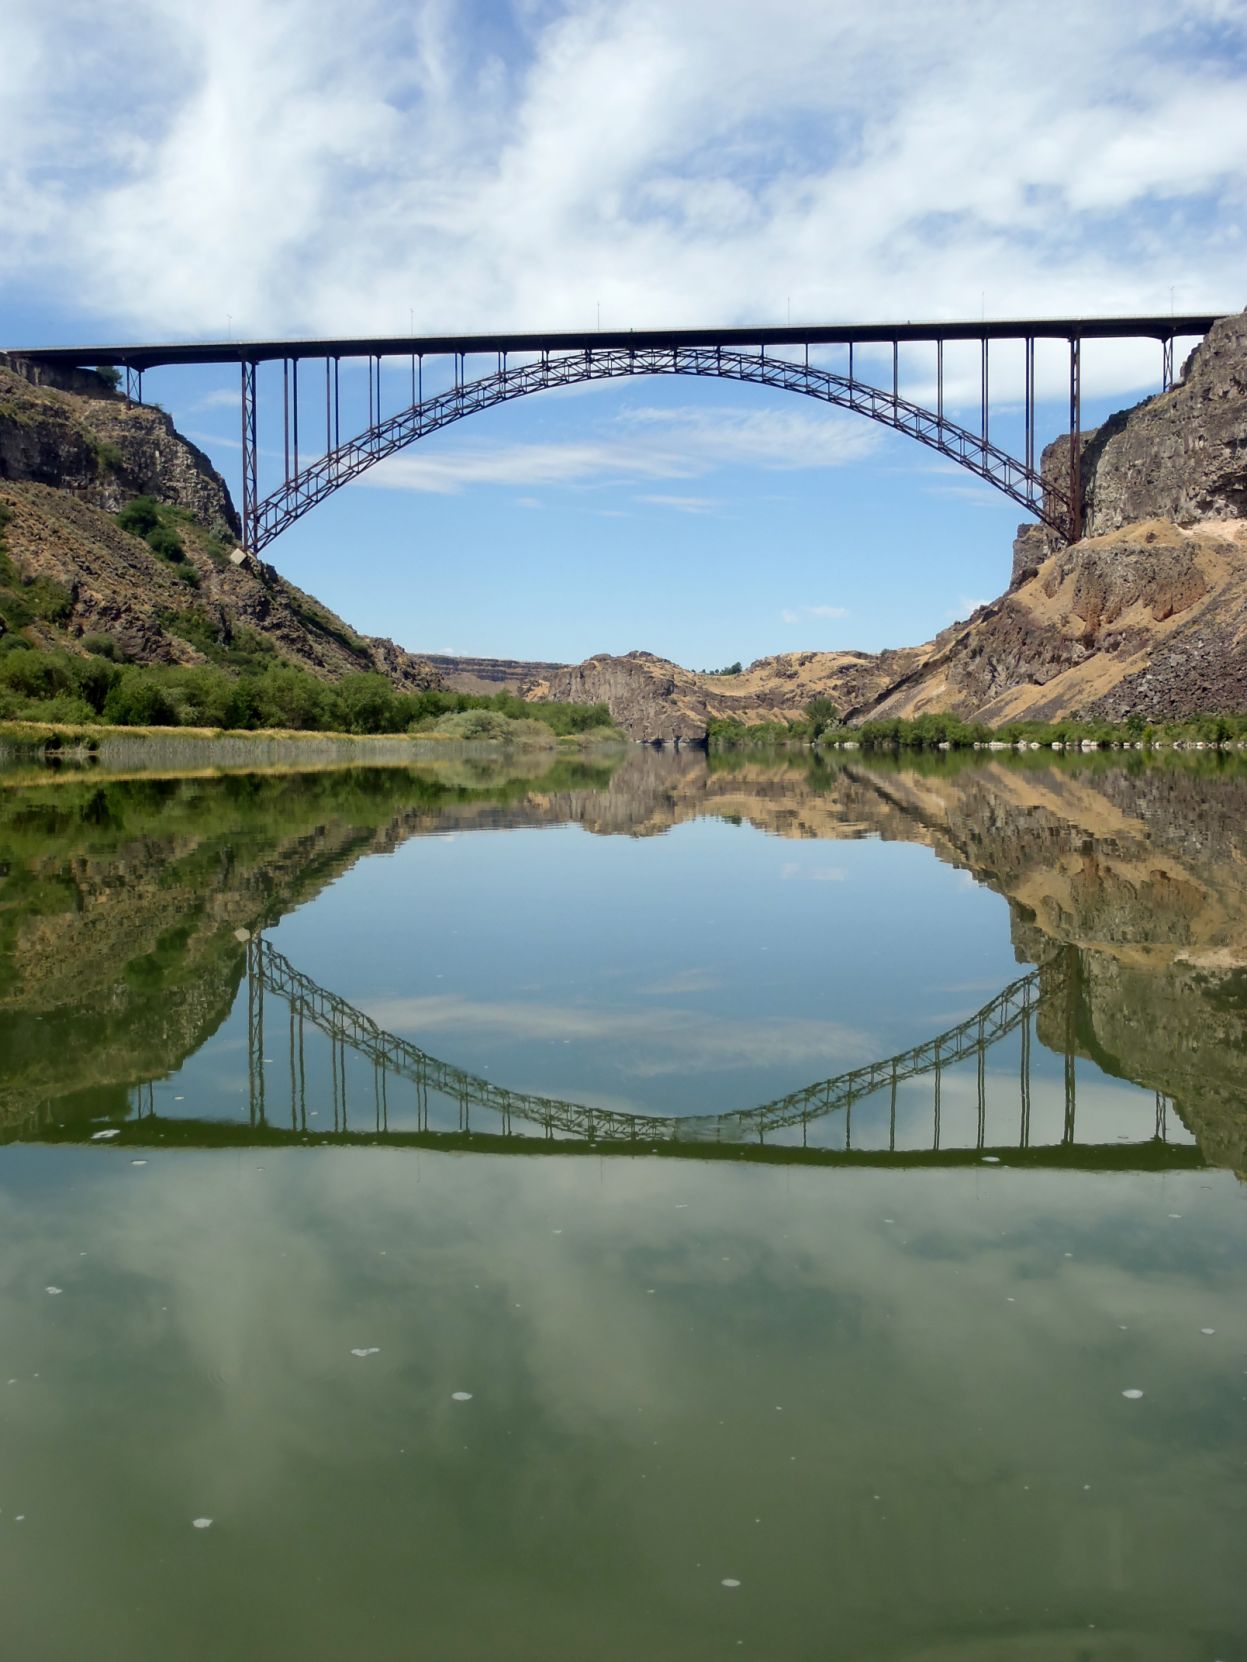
{"points": [[270, 975], [266, 518], [521, 364]]}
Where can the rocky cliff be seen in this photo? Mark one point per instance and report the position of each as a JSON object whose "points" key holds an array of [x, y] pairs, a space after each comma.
{"points": [[659, 703], [1146, 615], [72, 453], [492, 675]]}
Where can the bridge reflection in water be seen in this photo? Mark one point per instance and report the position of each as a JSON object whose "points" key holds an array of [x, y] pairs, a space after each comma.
{"points": [[470, 1111]]}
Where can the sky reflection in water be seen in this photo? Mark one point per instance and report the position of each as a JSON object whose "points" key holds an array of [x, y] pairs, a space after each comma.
{"points": [[595, 1389]]}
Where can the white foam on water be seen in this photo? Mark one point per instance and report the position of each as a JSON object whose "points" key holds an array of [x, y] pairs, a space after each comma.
{"points": [[1132, 1394], [729, 1581], [101, 1136], [53, 1290], [201, 1523], [138, 1162], [1208, 1331], [461, 1396], [367, 1350]]}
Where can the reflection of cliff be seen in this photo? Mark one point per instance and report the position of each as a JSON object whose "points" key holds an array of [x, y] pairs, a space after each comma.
{"points": [[119, 902], [1143, 869], [1146, 874], [118, 911]]}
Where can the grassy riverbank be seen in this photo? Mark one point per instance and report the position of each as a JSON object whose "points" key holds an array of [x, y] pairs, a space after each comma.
{"points": [[208, 748], [938, 732], [69, 691]]}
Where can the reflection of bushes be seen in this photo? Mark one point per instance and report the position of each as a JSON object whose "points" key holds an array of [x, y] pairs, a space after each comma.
{"points": [[947, 732]]}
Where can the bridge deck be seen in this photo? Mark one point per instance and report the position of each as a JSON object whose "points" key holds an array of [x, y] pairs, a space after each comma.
{"points": [[158, 1132], [1159, 326]]}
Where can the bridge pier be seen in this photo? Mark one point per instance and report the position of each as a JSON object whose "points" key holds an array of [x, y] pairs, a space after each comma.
{"points": [[1075, 438]]}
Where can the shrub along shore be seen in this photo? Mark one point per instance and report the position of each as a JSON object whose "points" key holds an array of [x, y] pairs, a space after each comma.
{"points": [[822, 730], [66, 691]]}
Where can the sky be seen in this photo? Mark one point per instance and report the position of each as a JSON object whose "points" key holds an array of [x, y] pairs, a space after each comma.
{"points": [[300, 168]]}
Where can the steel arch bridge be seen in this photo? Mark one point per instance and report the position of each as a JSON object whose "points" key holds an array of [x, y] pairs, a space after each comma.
{"points": [[770, 356], [301, 492]]}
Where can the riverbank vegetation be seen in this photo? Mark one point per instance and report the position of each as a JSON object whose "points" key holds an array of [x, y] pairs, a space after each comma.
{"points": [[64, 688], [822, 729]]}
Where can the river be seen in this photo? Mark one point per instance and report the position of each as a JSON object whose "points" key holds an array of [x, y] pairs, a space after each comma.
{"points": [[665, 1207]]}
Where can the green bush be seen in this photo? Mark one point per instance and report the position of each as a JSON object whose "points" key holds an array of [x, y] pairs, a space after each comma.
{"points": [[107, 456], [138, 699], [103, 646], [48, 600], [38, 675], [139, 516], [821, 714], [368, 704], [161, 540]]}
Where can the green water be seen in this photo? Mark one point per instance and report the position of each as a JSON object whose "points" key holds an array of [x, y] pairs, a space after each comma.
{"points": [[645, 1210]]}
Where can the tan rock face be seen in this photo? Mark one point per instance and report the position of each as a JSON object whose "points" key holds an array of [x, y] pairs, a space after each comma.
{"points": [[652, 700], [657, 702]]}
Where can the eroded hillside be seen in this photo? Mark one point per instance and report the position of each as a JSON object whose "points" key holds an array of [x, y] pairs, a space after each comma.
{"points": [[74, 453]]}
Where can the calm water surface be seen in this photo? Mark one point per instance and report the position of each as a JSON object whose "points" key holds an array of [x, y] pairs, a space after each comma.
{"points": [[653, 1209]]}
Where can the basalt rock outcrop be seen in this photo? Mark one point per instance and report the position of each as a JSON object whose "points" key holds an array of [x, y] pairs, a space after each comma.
{"points": [[658, 702], [72, 453], [71, 431], [491, 675]]}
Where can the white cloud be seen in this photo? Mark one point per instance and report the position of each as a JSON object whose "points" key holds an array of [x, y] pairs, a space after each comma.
{"points": [[313, 167], [677, 1041], [640, 444], [682, 504]]}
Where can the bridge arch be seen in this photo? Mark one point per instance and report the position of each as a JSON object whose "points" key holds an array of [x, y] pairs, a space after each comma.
{"points": [[343, 461]]}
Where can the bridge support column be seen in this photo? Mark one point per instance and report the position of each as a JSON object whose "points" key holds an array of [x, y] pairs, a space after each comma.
{"points": [[1075, 438], [250, 475], [255, 1032], [1166, 364]]}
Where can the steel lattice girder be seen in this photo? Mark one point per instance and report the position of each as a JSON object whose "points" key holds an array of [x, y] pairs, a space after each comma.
{"points": [[334, 1016], [328, 473]]}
